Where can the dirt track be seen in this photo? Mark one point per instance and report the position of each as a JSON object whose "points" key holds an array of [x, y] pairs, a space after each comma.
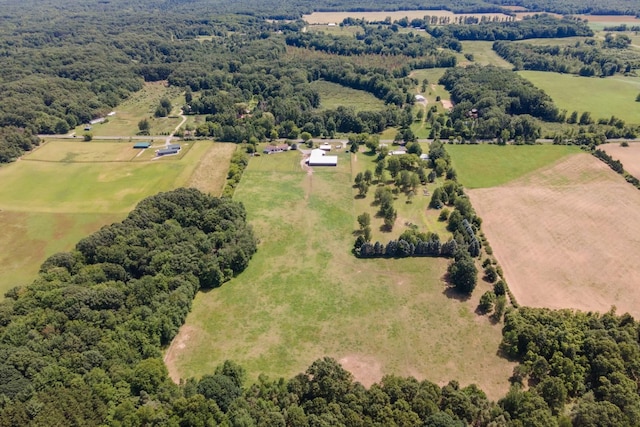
{"points": [[567, 236]]}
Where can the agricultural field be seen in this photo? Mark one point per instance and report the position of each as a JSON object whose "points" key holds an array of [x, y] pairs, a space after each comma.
{"points": [[305, 296], [139, 106], [333, 95], [566, 235], [628, 156], [67, 189], [484, 165], [602, 97]]}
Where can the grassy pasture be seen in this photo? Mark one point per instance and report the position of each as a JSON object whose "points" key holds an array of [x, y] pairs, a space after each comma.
{"points": [[67, 189], [139, 106], [602, 97], [333, 95], [484, 165], [483, 54], [305, 296]]}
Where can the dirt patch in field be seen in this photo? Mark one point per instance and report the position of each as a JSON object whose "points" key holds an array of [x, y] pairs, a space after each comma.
{"points": [[629, 156], [567, 236], [367, 370], [177, 345]]}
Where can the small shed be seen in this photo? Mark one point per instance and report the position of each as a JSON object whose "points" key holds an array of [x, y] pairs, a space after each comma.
{"points": [[142, 145], [167, 151]]}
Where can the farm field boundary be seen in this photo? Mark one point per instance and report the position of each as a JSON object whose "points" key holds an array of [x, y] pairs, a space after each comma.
{"points": [[566, 236]]}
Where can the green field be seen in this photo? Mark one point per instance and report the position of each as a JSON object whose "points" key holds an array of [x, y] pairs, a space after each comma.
{"points": [[333, 95], [65, 190], [483, 54], [602, 97], [305, 296], [139, 106], [484, 165]]}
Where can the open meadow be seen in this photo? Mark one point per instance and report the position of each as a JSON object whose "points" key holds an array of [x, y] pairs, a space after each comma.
{"points": [[602, 97], [67, 189], [305, 296], [333, 95], [628, 156], [566, 235], [141, 105]]}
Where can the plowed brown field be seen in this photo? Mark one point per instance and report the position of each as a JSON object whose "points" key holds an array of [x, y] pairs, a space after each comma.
{"points": [[567, 236], [629, 156]]}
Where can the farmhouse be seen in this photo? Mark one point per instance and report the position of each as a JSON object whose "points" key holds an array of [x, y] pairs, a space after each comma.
{"points": [[271, 149], [325, 147], [173, 147], [142, 145], [318, 157], [424, 157], [399, 151]]}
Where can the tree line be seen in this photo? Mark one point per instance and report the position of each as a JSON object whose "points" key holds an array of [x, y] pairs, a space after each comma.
{"points": [[536, 26], [590, 58]]}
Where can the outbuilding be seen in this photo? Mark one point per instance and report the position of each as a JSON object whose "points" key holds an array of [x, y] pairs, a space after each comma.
{"points": [[319, 157], [142, 145]]}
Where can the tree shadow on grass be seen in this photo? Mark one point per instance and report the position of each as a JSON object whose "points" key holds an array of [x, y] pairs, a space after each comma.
{"points": [[451, 292]]}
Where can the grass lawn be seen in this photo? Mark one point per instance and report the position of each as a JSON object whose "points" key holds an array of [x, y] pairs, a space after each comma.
{"points": [[484, 165], [333, 95], [305, 296], [65, 190], [140, 105], [602, 97], [483, 54]]}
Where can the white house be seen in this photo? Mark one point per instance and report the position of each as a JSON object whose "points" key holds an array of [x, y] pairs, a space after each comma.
{"points": [[325, 147]]}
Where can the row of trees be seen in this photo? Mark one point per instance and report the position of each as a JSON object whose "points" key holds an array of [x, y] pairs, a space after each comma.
{"points": [[536, 26], [586, 59]]}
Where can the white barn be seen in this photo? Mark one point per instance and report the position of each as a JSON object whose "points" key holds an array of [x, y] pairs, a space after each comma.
{"points": [[318, 157]]}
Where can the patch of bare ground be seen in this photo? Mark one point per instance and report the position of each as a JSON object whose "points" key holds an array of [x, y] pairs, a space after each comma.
{"points": [[629, 156], [366, 370], [567, 236], [179, 343]]}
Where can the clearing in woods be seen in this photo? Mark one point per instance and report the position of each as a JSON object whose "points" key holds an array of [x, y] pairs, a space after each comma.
{"points": [[333, 95], [566, 236], [65, 190], [305, 296], [140, 105]]}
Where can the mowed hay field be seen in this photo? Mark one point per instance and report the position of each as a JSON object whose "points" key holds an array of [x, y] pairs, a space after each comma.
{"points": [[49, 201], [628, 156], [567, 235], [305, 296], [602, 97]]}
